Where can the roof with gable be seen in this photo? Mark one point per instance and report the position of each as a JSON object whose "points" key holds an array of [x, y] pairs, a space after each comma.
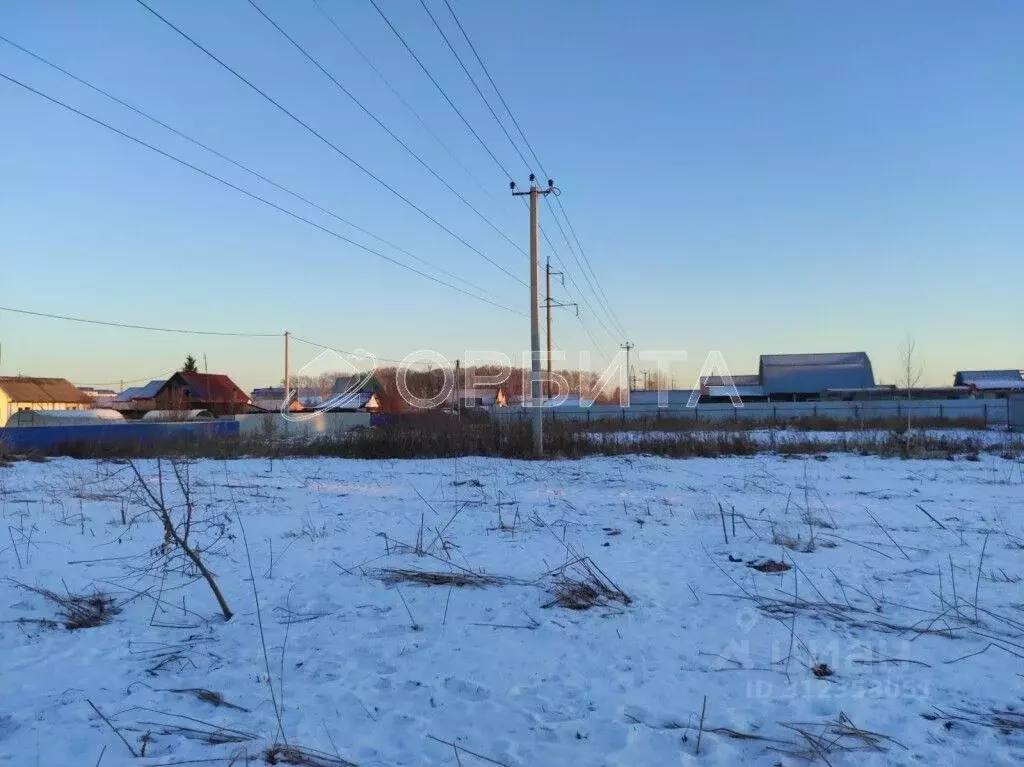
{"points": [[207, 387], [41, 390], [149, 391]]}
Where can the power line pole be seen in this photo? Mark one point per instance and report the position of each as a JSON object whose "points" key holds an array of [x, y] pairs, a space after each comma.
{"points": [[553, 304], [287, 381], [628, 346], [535, 374], [547, 301]]}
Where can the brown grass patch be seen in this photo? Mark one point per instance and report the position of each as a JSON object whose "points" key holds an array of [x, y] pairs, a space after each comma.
{"points": [[592, 588], [79, 611], [459, 578], [770, 566], [282, 753]]}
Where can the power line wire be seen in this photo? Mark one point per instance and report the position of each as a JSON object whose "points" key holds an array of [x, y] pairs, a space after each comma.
{"points": [[583, 271], [327, 141], [494, 85], [240, 165], [606, 303], [345, 352], [448, 99], [131, 326], [254, 196], [383, 78], [441, 90], [156, 377], [587, 261], [309, 57], [473, 81]]}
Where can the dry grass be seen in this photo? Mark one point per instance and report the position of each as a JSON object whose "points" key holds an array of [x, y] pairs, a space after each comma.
{"points": [[820, 740], [770, 566], [589, 587], [78, 611], [459, 578], [282, 753], [1006, 721]]}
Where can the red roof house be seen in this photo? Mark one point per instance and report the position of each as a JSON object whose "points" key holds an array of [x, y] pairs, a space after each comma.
{"points": [[202, 391]]}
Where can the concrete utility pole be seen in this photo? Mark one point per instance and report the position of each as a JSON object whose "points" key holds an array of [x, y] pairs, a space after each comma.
{"points": [[536, 395], [628, 346], [287, 380], [547, 301], [552, 303]]}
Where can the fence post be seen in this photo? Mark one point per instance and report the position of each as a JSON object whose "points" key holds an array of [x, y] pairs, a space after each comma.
{"points": [[986, 413], [942, 411]]}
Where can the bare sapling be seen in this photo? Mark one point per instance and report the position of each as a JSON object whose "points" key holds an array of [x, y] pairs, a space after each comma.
{"points": [[177, 535], [910, 372]]}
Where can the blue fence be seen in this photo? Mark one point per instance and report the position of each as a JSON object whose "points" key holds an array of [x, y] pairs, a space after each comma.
{"points": [[55, 439]]}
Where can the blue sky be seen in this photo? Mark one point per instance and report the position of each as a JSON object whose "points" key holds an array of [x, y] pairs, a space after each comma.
{"points": [[748, 177]]}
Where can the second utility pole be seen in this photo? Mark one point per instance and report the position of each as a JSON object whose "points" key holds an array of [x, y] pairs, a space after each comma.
{"points": [[536, 395]]}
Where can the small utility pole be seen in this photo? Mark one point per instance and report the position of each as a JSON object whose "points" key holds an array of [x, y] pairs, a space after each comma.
{"points": [[287, 380], [535, 375], [628, 346], [547, 301], [206, 367], [551, 303]]}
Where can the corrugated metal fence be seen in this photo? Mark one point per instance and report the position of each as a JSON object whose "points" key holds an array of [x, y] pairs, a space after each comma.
{"points": [[1015, 412], [990, 411], [55, 439]]}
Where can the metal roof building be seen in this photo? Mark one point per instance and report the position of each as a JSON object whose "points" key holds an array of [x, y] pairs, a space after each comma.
{"points": [[149, 391], [812, 374], [990, 379]]}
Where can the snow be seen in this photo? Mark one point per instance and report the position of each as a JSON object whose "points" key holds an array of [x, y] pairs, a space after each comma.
{"points": [[385, 673]]}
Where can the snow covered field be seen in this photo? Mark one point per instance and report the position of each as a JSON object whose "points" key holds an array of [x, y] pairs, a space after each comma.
{"points": [[792, 604]]}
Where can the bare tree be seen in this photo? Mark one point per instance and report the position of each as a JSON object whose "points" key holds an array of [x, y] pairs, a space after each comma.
{"points": [[176, 535], [910, 369]]}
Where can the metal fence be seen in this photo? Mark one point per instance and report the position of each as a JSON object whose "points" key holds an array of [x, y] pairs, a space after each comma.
{"points": [[53, 439], [299, 425], [988, 411], [1015, 412]]}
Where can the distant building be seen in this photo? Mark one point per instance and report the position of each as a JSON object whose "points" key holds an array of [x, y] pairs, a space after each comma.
{"points": [[202, 391], [24, 393], [355, 401], [136, 400], [271, 399], [101, 398], [672, 397], [991, 383], [746, 386], [479, 397], [807, 376]]}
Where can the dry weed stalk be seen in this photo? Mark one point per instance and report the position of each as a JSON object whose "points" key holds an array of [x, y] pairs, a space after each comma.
{"points": [[392, 576], [78, 611], [590, 588], [284, 754]]}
